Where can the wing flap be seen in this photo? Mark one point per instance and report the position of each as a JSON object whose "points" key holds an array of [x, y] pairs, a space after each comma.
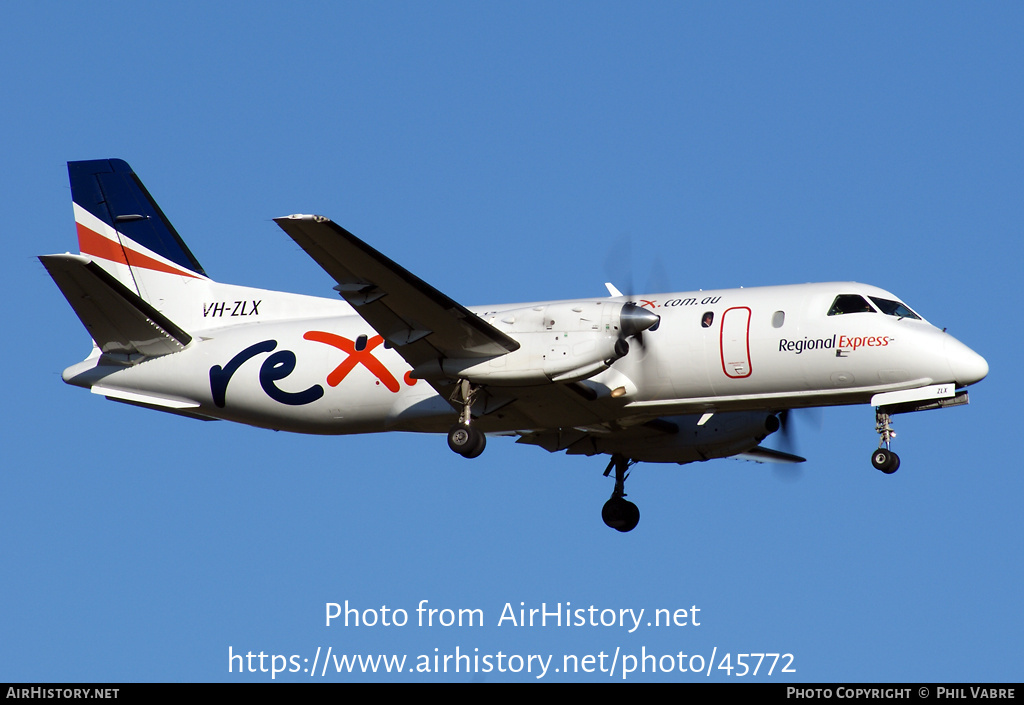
{"points": [[420, 322], [119, 321]]}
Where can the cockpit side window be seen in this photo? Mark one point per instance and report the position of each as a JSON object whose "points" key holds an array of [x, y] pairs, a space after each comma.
{"points": [[850, 303], [894, 308]]}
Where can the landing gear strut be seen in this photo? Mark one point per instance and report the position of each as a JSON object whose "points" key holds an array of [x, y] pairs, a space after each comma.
{"points": [[463, 438], [884, 459], [618, 512]]}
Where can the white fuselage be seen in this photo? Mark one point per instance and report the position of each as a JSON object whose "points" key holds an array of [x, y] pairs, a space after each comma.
{"points": [[312, 365]]}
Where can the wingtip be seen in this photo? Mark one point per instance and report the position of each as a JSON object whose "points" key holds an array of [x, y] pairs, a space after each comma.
{"points": [[303, 216]]}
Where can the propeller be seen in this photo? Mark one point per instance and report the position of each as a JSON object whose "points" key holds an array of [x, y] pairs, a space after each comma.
{"points": [[787, 439], [618, 266], [634, 319]]}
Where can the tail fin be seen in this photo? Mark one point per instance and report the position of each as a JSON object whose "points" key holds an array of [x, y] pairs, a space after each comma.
{"points": [[122, 228], [135, 275]]}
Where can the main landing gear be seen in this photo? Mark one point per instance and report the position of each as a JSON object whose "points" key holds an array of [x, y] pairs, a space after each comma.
{"points": [[884, 459], [619, 513], [464, 439]]}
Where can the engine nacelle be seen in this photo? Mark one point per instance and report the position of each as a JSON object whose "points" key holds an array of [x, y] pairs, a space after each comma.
{"points": [[562, 342]]}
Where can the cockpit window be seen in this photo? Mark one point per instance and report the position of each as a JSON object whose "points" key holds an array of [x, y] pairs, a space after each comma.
{"points": [[849, 303], [894, 308]]}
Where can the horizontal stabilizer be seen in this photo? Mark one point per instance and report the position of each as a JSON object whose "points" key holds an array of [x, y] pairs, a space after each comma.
{"points": [[120, 322], [768, 455], [171, 405]]}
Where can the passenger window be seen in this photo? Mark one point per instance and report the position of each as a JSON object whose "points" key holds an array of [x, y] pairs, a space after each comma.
{"points": [[778, 319], [707, 319], [849, 303]]}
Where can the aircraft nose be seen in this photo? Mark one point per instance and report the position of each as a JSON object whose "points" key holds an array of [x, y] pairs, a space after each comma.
{"points": [[966, 365]]}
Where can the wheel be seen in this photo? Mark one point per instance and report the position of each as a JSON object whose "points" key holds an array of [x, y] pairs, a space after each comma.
{"points": [[620, 514], [885, 460], [895, 465], [479, 444], [466, 441], [881, 459]]}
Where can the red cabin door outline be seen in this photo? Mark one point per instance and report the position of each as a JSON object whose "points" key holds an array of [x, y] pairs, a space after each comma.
{"points": [[735, 342]]}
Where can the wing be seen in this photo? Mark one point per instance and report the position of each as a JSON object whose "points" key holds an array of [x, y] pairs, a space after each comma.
{"points": [[417, 320], [424, 325]]}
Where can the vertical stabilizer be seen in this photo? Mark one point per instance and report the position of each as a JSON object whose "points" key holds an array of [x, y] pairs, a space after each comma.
{"points": [[129, 247], [123, 230]]}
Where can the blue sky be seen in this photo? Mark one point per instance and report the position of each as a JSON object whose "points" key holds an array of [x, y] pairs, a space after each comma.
{"points": [[503, 152]]}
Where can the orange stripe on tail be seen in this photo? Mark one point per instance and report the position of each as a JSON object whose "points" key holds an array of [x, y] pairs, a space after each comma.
{"points": [[93, 244]]}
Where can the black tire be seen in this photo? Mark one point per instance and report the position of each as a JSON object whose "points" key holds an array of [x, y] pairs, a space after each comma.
{"points": [[885, 460], [879, 458], [894, 466], [480, 444], [620, 514], [466, 441]]}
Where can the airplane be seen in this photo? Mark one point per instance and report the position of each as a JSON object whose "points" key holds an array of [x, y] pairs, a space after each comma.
{"points": [[663, 378]]}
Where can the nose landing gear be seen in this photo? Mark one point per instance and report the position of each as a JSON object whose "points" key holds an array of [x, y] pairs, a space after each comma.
{"points": [[884, 459], [619, 513]]}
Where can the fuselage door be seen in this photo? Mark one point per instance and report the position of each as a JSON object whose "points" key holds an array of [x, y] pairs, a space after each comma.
{"points": [[735, 342]]}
